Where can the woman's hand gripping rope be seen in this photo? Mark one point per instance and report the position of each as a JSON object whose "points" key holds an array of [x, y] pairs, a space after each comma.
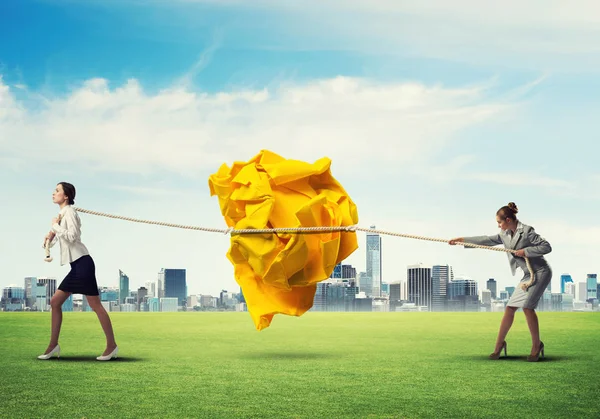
{"points": [[48, 240], [518, 253]]}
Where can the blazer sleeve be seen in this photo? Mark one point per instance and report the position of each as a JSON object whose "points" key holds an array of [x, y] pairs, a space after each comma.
{"points": [[71, 230], [53, 241], [539, 246], [493, 240]]}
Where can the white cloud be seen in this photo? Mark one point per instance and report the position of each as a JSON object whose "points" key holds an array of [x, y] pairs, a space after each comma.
{"points": [[186, 81], [547, 35], [457, 171], [9, 108], [509, 12], [566, 233], [150, 191], [540, 34], [512, 178], [352, 121]]}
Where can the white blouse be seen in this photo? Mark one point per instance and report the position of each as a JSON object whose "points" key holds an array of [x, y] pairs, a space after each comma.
{"points": [[68, 233]]}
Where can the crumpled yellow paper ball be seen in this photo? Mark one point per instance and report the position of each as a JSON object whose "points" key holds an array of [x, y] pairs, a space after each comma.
{"points": [[278, 272]]}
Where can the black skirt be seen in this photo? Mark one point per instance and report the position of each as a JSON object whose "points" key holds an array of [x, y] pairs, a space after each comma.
{"points": [[81, 279]]}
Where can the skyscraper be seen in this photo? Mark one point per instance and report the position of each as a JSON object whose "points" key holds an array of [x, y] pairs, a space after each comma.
{"points": [[50, 284], [374, 261], [340, 297], [30, 291], [320, 298], [463, 287], [109, 294], [592, 286], [151, 287], [420, 289], [141, 294], [385, 289], [397, 294], [463, 295], [564, 280], [68, 304], [440, 278], [160, 284], [348, 272], [395, 291], [175, 285], [343, 272], [486, 297], [581, 292], [41, 301], [335, 295], [123, 287], [493, 287], [365, 284], [337, 271], [570, 288]]}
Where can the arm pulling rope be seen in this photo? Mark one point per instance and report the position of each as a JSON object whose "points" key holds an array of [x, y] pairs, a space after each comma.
{"points": [[300, 230]]}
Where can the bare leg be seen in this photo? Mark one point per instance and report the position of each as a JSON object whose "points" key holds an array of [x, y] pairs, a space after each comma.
{"points": [[505, 325], [96, 305], [534, 329], [56, 303]]}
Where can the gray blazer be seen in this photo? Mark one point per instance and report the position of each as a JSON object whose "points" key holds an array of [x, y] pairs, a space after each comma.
{"points": [[526, 238]]}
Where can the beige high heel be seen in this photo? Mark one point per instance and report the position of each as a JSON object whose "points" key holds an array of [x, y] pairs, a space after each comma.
{"points": [[536, 357], [496, 355]]}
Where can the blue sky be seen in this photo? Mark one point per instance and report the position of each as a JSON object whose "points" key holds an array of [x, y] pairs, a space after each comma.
{"points": [[433, 116]]}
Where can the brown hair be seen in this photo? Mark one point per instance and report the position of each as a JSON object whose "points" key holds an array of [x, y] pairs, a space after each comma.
{"points": [[508, 211], [69, 190]]}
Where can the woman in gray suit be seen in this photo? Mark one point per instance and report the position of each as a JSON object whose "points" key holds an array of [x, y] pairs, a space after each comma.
{"points": [[522, 238]]}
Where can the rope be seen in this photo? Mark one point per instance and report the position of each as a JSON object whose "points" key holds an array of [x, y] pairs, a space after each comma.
{"points": [[135, 220], [478, 246], [306, 230]]}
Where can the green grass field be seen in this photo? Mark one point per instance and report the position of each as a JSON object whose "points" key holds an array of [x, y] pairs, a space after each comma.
{"points": [[321, 365]]}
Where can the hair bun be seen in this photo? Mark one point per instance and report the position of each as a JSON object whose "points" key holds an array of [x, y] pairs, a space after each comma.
{"points": [[513, 207]]}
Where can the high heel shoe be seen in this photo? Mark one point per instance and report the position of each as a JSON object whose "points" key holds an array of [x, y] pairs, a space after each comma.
{"points": [[56, 351], [536, 357], [113, 354], [496, 355]]}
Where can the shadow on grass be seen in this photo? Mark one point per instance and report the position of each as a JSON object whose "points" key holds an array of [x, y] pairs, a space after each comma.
{"points": [[286, 355], [92, 358], [523, 358]]}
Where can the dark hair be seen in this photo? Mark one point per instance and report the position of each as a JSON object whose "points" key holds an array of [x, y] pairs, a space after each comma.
{"points": [[508, 211], [69, 190]]}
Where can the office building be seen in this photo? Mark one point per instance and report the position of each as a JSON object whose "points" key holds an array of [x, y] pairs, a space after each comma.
{"points": [[374, 262]]}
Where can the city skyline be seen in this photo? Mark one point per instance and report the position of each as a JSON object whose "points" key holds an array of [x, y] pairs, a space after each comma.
{"points": [[432, 288], [559, 281], [373, 250]]}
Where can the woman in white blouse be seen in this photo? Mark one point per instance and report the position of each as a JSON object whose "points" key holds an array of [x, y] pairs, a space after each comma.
{"points": [[81, 279]]}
